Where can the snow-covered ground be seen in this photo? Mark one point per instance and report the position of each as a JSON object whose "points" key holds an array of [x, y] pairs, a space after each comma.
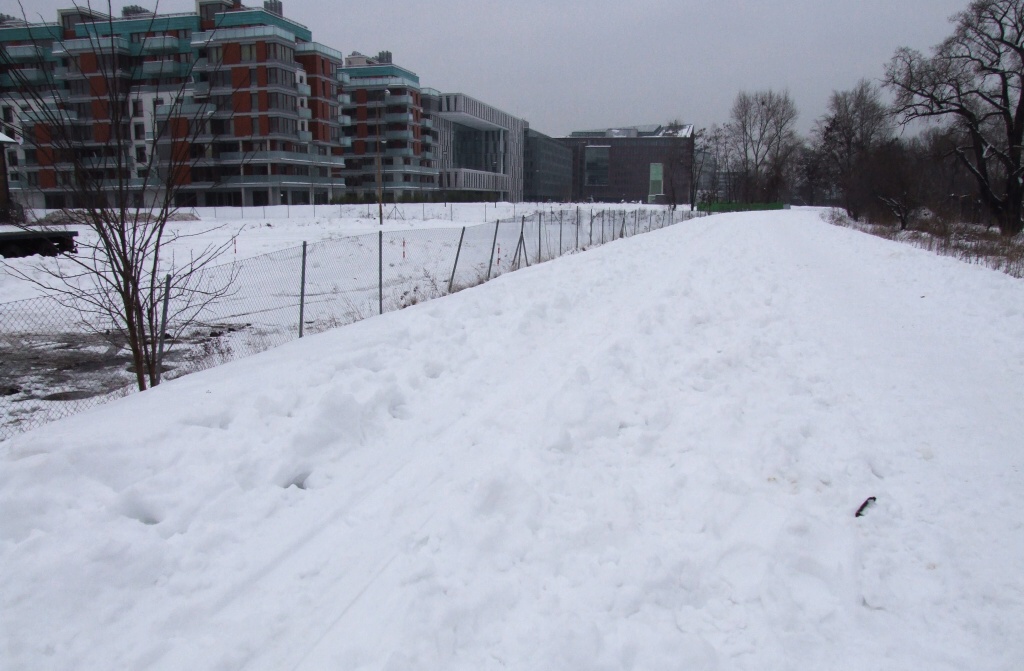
{"points": [[262, 230], [648, 456]]}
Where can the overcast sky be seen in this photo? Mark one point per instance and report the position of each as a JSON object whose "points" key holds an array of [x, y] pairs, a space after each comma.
{"points": [[567, 65]]}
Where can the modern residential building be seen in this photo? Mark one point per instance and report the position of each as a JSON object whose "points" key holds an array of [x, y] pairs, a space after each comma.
{"points": [[547, 168], [260, 113], [651, 164], [421, 140], [392, 142]]}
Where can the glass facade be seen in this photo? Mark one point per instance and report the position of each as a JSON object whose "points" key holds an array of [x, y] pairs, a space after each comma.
{"points": [[596, 167]]}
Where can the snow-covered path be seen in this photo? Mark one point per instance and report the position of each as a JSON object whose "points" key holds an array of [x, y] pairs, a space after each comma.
{"points": [[647, 456]]}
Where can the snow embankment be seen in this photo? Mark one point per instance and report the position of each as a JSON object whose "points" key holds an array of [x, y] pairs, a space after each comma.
{"points": [[647, 456]]}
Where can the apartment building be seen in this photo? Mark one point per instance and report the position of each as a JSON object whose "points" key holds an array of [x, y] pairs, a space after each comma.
{"points": [[419, 140], [392, 153], [234, 106]]}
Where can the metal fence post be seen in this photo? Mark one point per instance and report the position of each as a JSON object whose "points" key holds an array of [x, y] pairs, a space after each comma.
{"points": [[560, 212], [540, 228], [456, 264], [302, 289], [493, 243], [380, 272], [163, 329], [577, 228]]}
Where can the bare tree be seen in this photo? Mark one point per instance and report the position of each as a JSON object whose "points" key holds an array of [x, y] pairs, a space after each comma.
{"points": [[857, 121], [721, 166], [123, 199], [761, 129], [974, 80]]}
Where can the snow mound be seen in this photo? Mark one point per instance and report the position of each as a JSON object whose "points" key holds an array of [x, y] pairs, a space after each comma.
{"points": [[647, 456]]}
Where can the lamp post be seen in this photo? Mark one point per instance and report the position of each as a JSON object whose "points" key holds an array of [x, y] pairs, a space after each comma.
{"points": [[380, 150]]}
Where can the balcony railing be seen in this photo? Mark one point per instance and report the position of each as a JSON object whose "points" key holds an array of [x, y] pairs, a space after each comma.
{"points": [[164, 44], [164, 69], [93, 44], [398, 135], [305, 113], [24, 53], [345, 120], [281, 157], [344, 98], [186, 110], [400, 117], [302, 89]]}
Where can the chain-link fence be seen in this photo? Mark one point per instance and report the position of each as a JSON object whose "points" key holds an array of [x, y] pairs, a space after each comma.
{"points": [[53, 364]]}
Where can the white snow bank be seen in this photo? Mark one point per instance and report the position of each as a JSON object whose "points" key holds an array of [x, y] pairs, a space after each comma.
{"points": [[647, 456]]}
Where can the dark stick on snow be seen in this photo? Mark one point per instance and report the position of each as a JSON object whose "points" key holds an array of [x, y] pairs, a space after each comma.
{"points": [[864, 506]]}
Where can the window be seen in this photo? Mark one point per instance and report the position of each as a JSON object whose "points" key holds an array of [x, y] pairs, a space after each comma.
{"points": [[283, 126], [140, 131], [136, 108], [220, 78], [140, 155], [12, 159], [596, 168], [280, 52], [8, 115], [248, 52], [254, 80], [657, 179], [215, 55], [280, 77]]}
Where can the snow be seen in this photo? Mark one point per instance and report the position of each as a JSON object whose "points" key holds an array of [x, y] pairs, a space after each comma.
{"points": [[268, 229], [645, 456]]}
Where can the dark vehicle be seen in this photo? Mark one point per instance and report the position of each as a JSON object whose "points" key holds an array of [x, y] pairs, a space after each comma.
{"points": [[28, 243]]}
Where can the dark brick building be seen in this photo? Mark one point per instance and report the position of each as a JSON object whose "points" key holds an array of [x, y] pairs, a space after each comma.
{"points": [[652, 164]]}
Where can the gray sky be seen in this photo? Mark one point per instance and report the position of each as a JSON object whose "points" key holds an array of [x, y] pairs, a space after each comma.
{"points": [[566, 65]]}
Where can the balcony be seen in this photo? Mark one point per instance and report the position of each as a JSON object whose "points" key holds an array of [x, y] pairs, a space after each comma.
{"points": [[164, 69], [281, 157], [343, 77], [404, 135], [48, 115], [398, 100], [24, 53], [399, 151], [344, 98], [302, 89], [305, 113], [165, 44], [201, 88], [27, 76], [93, 44], [185, 110], [345, 120], [345, 142], [305, 136], [427, 123], [401, 117]]}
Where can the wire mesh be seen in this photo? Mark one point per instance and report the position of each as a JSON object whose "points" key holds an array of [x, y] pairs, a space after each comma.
{"points": [[53, 364]]}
